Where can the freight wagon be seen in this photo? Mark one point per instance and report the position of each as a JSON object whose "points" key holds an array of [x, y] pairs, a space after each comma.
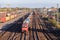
{"points": [[6, 16], [2, 16]]}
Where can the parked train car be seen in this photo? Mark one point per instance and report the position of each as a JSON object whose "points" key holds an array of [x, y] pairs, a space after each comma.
{"points": [[7, 16], [2, 16]]}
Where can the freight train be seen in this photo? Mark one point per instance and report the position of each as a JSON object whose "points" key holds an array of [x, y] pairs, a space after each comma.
{"points": [[26, 23], [5, 16]]}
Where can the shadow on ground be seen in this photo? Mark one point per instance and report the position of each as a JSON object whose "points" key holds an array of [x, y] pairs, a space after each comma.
{"points": [[15, 26]]}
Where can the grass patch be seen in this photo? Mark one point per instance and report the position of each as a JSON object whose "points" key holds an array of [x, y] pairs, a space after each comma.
{"points": [[54, 22]]}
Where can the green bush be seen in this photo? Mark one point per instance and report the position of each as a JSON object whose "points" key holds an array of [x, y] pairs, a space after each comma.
{"points": [[53, 22]]}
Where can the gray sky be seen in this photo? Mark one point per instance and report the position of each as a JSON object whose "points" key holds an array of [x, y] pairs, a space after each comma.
{"points": [[29, 3]]}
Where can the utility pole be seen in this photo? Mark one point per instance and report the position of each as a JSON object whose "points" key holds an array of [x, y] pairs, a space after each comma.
{"points": [[0, 5], [57, 14]]}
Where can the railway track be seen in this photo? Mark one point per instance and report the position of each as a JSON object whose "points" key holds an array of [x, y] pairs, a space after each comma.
{"points": [[45, 29], [48, 30], [39, 30], [12, 31], [39, 34]]}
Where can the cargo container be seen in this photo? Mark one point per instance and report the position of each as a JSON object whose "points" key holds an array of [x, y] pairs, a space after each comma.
{"points": [[2, 16], [2, 19], [8, 18], [12, 17]]}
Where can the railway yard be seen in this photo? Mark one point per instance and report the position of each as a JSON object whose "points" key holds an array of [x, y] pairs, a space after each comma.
{"points": [[39, 29]]}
